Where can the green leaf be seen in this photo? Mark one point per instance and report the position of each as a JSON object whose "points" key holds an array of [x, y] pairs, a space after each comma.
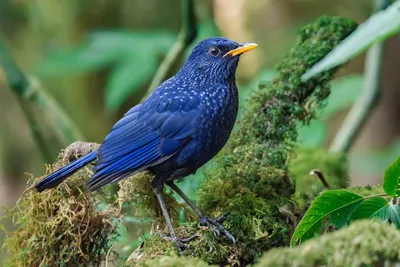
{"points": [[341, 217], [312, 135], [339, 204], [75, 61], [128, 77], [391, 179], [344, 92], [371, 208], [378, 27], [155, 41], [394, 215]]}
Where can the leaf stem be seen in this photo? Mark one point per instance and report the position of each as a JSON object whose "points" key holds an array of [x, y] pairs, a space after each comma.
{"points": [[321, 176], [376, 195], [363, 107], [186, 36], [30, 94]]}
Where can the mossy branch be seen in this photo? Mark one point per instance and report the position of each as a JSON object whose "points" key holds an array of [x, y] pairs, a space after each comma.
{"points": [[251, 181], [363, 243], [30, 94], [186, 36]]}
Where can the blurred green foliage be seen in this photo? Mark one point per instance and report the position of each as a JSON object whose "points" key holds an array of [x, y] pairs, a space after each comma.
{"points": [[345, 91], [374, 162], [133, 57]]}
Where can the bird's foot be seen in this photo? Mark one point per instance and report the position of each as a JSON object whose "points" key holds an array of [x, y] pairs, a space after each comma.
{"points": [[216, 227], [181, 244]]}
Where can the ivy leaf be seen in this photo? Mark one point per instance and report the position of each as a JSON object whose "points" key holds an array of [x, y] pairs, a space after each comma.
{"points": [[339, 204], [394, 215], [372, 208], [391, 179]]}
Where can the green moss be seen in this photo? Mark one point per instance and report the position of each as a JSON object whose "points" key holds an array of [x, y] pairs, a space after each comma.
{"points": [[175, 261], [334, 167], [363, 243], [367, 190], [138, 193], [60, 227]]}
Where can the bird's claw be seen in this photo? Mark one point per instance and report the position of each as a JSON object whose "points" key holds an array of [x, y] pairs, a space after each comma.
{"points": [[181, 244], [216, 227], [221, 218]]}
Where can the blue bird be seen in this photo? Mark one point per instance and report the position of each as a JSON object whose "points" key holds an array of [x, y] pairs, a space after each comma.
{"points": [[183, 124]]}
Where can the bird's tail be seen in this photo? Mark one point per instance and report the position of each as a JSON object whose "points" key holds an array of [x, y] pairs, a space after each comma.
{"points": [[60, 175]]}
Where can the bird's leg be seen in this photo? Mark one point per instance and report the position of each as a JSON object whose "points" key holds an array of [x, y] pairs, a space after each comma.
{"points": [[179, 243], [214, 225]]}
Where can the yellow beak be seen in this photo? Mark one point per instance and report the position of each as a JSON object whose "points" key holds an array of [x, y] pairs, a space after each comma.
{"points": [[241, 49]]}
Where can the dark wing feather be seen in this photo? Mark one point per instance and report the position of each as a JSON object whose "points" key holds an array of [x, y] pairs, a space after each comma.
{"points": [[143, 137]]}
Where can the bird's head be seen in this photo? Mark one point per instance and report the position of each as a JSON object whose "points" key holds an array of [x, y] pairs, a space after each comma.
{"points": [[215, 58]]}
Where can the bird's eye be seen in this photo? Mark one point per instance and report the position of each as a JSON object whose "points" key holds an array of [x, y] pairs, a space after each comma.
{"points": [[213, 51]]}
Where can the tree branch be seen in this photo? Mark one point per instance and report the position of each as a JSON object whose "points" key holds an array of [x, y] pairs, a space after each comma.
{"points": [[186, 36], [30, 92], [361, 110]]}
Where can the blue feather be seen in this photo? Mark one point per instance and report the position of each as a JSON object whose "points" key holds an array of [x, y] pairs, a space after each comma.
{"points": [[60, 175], [134, 161]]}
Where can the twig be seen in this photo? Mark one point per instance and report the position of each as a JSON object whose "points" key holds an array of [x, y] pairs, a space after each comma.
{"points": [[289, 215], [186, 36], [35, 130], [361, 110], [29, 92], [108, 254], [321, 176]]}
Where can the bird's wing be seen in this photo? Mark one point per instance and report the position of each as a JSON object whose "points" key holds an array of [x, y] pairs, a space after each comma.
{"points": [[147, 135]]}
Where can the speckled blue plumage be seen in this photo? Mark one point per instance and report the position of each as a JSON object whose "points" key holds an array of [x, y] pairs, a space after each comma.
{"points": [[183, 124]]}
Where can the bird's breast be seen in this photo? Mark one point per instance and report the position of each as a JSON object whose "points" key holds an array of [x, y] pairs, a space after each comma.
{"points": [[218, 120]]}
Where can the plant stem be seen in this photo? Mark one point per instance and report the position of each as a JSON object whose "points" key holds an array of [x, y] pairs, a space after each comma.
{"points": [[186, 36], [377, 195], [30, 93], [35, 131], [361, 110], [321, 177]]}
